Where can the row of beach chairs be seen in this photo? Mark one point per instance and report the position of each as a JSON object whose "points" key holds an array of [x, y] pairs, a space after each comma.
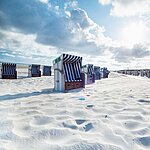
{"points": [[9, 71], [136, 72], [69, 73]]}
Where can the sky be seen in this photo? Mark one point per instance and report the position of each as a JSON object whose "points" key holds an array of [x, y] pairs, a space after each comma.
{"points": [[107, 33]]}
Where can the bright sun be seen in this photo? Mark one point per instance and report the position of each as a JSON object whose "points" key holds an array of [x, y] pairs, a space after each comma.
{"points": [[134, 33]]}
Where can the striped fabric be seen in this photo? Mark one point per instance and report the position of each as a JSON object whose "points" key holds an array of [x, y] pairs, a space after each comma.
{"points": [[70, 58], [90, 70], [72, 67], [8, 69]]}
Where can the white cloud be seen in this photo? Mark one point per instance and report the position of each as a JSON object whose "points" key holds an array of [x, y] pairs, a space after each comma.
{"points": [[44, 1], [105, 2], [23, 48], [123, 8], [134, 32]]}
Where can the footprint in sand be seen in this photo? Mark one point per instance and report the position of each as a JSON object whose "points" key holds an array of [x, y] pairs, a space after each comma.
{"points": [[89, 106], [32, 112], [22, 129], [41, 120], [131, 125], [88, 127], [145, 141], [142, 131], [54, 136], [144, 101], [69, 125], [80, 121]]}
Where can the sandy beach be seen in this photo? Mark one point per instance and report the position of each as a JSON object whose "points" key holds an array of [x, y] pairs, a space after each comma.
{"points": [[111, 114]]}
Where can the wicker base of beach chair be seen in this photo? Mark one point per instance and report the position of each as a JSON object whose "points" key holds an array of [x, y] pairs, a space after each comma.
{"points": [[10, 76], [37, 75], [75, 84]]}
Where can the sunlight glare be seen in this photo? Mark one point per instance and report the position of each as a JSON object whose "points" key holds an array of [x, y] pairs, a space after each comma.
{"points": [[134, 33]]}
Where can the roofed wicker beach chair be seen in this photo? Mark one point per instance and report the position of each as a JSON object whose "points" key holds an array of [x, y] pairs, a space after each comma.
{"points": [[104, 72], [8, 71], [34, 71], [68, 73], [142, 73], [97, 73], [88, 70], [135, 72], [147, 73], [47, 71]]}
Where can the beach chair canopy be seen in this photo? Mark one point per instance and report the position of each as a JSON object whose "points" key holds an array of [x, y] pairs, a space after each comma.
{"points": [[88, 69], [8, 69], [72, 67], [96, 69]]}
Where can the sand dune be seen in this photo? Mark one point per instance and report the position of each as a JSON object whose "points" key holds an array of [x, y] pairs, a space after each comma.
{"points": [[112, 114]]}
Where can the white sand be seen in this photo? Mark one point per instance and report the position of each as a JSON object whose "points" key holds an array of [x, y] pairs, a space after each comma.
{"points": [[115, 115]]}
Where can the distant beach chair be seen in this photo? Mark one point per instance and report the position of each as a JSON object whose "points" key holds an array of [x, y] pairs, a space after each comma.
{"points": [[135, 73], [142, 73], [67, 73], [104, 72], [8, 71], [147, 73], [88, 70], [47, 71], [34, 71], [97, 73]]}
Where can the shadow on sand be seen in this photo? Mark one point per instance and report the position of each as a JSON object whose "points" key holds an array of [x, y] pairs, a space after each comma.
{"points": [[24, 95], [43, 92]]}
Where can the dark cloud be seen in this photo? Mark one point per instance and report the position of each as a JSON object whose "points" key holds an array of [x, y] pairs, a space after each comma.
{"points": [[27, 16], [2, 36], [123, 54], [51, 24], [140, 51]]}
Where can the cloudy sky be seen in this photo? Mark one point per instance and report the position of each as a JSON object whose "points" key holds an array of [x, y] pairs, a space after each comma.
{"points": [[111, 33]]}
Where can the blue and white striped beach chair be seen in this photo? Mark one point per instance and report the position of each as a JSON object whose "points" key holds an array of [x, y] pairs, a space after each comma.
{"points": [[8, 71], [34, 71], [68, 72], [97, 73], [88, 70], [104, 72]]}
